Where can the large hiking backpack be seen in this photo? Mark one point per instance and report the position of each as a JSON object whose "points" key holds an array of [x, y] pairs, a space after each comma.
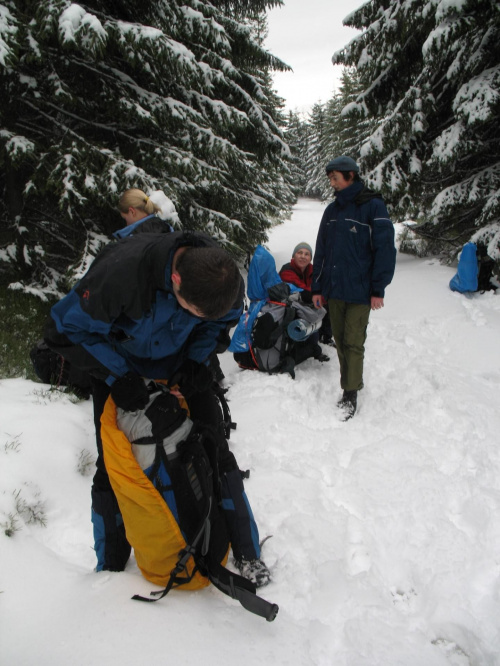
{"points": [[163, 471], [279, 326], [474, 271]]}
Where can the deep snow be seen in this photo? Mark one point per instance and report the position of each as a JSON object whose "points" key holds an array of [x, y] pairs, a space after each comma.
{"points": [[386, 529]]}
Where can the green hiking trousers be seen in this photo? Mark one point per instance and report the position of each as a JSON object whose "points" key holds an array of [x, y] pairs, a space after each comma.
{"points": [[349, 324]]}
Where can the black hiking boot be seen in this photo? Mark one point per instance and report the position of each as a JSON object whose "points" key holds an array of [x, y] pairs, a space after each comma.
{"points": [[319, 356], [254, 571], [348, 404], [327, 340]]}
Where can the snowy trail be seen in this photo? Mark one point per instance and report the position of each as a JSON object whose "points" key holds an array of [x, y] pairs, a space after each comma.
{"points": [[386, 530]]}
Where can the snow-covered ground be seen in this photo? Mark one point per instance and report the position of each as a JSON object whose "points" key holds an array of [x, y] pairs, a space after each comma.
{"points": [[385, 547]]}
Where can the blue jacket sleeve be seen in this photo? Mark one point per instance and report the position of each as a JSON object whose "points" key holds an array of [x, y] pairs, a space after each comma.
{"points": [[384, 251], [89, 349], [206, 335], [319, 252]]}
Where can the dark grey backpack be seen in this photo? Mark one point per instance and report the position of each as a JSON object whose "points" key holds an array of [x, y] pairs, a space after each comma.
{"points": [[271, 340]]}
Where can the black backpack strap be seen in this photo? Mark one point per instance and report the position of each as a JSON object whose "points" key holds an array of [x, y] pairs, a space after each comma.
{"points": [[227, 423], [290, 313], [179, 574], [242, 590], [232, 584]]}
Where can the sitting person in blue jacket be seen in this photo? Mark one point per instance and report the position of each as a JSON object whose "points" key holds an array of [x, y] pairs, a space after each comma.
{"points": [[153, 306], [354, 261]]}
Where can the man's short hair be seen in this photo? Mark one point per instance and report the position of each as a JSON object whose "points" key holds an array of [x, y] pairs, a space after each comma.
{"points": [[210, 280], [347, 175]]}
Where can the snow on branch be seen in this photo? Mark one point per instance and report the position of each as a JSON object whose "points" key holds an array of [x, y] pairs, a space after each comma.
{"points": [[476, 98], [16, 147], [8, 33], [475, 189], [77, 26], [447, 144]]}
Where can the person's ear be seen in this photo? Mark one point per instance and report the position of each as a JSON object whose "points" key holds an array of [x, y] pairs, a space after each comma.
{"points": [[176, 279]]}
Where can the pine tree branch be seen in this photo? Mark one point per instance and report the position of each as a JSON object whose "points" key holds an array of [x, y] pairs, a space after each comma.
{"points": [[425, 234], [47, 231], [56, 220]]}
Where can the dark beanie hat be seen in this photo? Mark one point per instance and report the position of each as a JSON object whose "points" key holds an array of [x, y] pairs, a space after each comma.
{"points": [[302, 246], [342, 163]]}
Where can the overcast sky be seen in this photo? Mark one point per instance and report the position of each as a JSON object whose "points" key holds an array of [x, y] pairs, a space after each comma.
{"points": [[305, 34]]}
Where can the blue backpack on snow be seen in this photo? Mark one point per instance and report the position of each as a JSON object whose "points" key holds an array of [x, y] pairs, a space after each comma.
{"points": [[466, 278]]}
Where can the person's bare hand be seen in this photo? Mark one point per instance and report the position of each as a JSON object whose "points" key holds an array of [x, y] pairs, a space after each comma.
{"points": [[317, 300], [377, 303]]}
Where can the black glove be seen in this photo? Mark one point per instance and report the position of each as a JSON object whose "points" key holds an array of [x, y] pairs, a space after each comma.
{"points": [[166, 415], [192, 378], [130, 393], [306, 297]]}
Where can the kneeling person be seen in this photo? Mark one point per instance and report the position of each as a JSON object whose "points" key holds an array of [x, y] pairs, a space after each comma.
{"points": [[154, 307]]}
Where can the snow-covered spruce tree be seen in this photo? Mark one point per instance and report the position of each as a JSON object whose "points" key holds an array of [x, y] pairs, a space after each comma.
{"points": [[347, 128], [316, 155], [109, 94], [297, 138], [326, 120], [431, 75], [344, 130], [246, 8]]}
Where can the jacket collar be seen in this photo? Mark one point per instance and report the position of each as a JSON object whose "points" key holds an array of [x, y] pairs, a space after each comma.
{"points": [[345, 197], [130, 229]]}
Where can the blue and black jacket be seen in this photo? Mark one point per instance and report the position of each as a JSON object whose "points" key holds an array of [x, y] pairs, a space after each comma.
{"points": [[355, 256], [151, 224], [123, 315]]}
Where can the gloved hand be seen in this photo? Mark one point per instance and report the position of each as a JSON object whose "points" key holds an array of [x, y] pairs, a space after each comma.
{"points": [[166, 415], [192, 378], [130, 393], [306, 297]]}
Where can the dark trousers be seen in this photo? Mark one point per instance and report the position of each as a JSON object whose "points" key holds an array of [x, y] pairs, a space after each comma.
{"points": [[110, 541], [349, 324], [111, 545], [326, 326]]}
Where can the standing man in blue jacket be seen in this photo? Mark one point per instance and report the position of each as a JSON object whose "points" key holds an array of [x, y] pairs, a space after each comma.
{"points": [[153, 306], [354, 261]]}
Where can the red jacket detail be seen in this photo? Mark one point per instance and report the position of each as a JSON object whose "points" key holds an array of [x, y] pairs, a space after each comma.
{"points": [[292, 273]]}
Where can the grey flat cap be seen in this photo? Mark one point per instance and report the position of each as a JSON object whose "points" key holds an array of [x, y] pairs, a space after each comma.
{"points": [[342, 163]]}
